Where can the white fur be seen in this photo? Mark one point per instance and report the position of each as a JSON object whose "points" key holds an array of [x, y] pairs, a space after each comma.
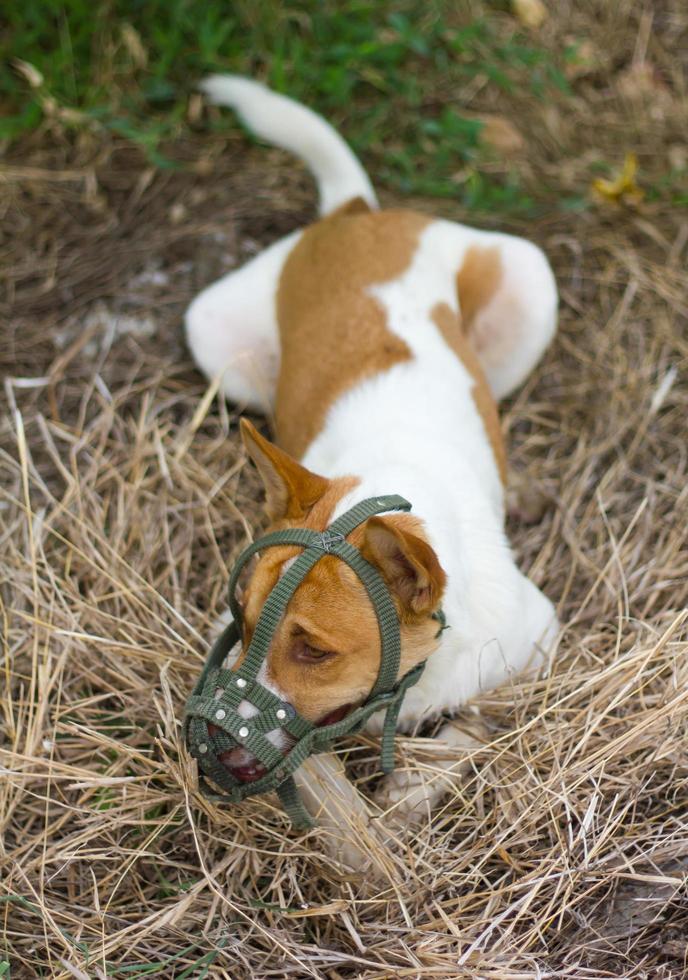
{"points": [[288, 124], [415, 429], [248, 710]]}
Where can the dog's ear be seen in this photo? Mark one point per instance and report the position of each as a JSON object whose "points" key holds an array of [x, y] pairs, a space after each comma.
{"points": [[290, 489], [408, 563]]}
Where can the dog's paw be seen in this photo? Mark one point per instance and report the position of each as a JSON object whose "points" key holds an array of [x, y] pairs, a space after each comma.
{"points": [[407, 797], [347, 829]]}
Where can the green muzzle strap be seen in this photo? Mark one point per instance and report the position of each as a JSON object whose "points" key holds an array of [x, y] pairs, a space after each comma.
{"points": [[216, 719]]}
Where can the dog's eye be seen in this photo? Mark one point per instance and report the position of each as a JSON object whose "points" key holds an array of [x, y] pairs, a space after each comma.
{"points": [[314, 654], [304, 652]]}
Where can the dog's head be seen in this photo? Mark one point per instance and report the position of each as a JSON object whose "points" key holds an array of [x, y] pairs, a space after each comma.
{"points": [[325, 653]]}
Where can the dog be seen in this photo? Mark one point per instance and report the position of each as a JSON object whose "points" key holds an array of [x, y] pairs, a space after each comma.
{"points": [[380, 341]]}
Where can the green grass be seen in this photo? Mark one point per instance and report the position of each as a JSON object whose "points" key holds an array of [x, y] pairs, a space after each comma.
{"points": [[384, 72]]}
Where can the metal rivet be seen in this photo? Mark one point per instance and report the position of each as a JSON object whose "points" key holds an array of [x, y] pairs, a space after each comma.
{"points": [[220, 714], [240, 682], [281, 714], [243, 732], [203, 748]]}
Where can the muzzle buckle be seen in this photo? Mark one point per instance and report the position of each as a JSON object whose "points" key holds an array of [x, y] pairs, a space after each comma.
{"points": [[328, 540]]}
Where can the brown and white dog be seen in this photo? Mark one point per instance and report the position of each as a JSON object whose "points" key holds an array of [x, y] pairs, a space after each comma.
{"points": [[380, 341]]}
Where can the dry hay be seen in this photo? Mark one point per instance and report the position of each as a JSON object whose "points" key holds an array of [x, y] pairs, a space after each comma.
{"points": [[124, 494]]}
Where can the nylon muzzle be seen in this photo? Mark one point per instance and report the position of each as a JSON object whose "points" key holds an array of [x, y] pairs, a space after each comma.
{"points": [[213, 724]]}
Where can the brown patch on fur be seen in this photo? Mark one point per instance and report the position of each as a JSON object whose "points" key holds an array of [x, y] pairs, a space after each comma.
{"points": [[329, 612], [332, 333], [268, 566], [478, 280], [449, 325]]}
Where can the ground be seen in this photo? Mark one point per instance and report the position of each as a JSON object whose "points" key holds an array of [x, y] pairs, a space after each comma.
{"points": [[124, 494]]}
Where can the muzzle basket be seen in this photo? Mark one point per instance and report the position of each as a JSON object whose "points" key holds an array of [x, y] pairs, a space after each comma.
{"points": [[220, 691]]}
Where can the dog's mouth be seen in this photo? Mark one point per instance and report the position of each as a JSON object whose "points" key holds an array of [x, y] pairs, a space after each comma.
{"points": [[247, 768], [247, 772]]}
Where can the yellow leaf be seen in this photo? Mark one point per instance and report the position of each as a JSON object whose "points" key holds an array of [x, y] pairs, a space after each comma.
{"points": [[531, 13], [623, 187]]}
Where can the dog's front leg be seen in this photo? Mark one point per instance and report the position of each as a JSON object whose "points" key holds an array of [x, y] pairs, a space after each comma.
{"points": [[342, 815], [408, 796]]}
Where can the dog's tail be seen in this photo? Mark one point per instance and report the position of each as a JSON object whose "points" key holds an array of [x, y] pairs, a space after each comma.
{"points": [[286, 123]]}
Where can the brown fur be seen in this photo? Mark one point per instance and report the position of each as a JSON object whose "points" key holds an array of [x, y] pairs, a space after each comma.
{"points": [[332, 333], [477, 281], [449, 325]]}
